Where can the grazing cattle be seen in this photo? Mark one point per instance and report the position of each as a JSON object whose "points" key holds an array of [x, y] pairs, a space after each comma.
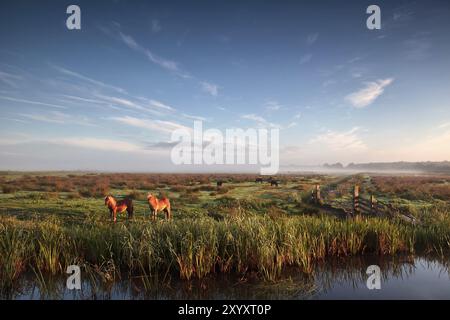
{"points": [[273, 183], [259, 180], [156, 205], [219, 183], [119, 206]]}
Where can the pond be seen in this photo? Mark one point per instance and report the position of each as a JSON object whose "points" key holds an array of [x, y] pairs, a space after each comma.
{"points": [[401, 278]]}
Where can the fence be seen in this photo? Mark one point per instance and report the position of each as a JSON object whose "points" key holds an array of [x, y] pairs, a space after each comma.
{"points": [[362, 206]]}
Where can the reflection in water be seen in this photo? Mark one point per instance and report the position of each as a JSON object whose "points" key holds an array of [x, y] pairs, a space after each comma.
{"points": [[401, 278]]}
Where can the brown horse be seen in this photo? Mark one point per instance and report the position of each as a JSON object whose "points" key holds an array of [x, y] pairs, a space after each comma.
{"points": [[119, 206], [156, 205]]}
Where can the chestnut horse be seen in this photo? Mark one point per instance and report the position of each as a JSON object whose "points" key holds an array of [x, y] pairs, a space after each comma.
{"points": [[156, 205], [119, 206]]}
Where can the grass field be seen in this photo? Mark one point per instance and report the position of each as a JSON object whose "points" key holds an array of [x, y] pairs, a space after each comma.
{"points": [[49, 221]]}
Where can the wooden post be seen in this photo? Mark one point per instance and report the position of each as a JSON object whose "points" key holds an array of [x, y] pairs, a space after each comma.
{"points": [[356, 200], [373, 205], [317, 194]]}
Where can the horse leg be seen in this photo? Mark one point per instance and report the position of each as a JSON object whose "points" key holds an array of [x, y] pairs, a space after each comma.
{"points": [[166, 213], [130, 212]]}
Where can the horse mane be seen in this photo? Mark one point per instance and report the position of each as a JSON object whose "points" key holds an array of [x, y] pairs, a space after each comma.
{"points": [[110, 201]]}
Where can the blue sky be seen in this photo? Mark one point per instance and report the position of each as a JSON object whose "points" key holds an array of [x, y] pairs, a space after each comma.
{"points": [[106, 97]]}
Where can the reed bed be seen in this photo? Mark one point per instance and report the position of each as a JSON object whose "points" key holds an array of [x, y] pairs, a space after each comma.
{"points": [[196, 248]]}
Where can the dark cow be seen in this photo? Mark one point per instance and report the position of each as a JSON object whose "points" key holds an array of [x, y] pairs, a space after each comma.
{"points": [[219, 183], [259, 180]]}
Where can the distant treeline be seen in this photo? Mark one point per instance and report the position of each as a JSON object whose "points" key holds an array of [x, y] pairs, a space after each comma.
{"points": [[429, 166]]}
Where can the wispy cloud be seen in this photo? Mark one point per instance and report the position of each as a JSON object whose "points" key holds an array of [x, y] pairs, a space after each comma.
{"points": [[100, 144], [273, 105], [160, 61], [210, 88], [341, 141], [312, 38], [367, 95], [9, 79], [306, 58], [161, 126], [291, 125], [157, 104], [417, 48], [148, 106], [444, 125], [87, 79], [156, 26], [167, 64], [191, 117], [58, 118], [259, 120], [38, 103]]}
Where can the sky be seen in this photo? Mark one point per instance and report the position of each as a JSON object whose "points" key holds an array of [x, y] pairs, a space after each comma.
{"points": [[108, 96]]}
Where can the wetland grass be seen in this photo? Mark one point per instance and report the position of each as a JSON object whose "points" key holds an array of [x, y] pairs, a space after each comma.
{"points": [[195, 248]]}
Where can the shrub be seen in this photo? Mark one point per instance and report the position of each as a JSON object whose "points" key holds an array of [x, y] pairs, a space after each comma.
{"points": [[9, 188]]}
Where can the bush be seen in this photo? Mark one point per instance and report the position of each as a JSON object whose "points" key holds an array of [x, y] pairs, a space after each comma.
{"points": [[96, 191], [74, 195], [9, 189], [137, 195]]}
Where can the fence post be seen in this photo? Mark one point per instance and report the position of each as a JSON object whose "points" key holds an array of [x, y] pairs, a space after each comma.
{"points": [[317, 194], [373, 204], [356, 200]]}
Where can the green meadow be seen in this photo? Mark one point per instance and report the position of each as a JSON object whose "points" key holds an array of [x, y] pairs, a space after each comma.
{"points": [[50, 221]]}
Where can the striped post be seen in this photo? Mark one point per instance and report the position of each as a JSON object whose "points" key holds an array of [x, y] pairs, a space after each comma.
{"points": [[356, 210], [373, 205], [317, 194]]}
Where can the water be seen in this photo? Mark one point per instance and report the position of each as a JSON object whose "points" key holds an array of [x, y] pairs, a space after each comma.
{"points": [[401, 278]]}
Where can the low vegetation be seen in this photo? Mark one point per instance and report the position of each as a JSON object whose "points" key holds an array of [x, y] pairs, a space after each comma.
{"points": [[247, 228]]}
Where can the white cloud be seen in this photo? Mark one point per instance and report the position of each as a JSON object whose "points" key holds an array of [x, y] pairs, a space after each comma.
{"points": [[369, 93], [273, 106], [161, 105], [306, 58], [9, 79], [131, 104], [58, 118], [211, 88], [161, 126], [33, 102], [259, 120], [82, 142], [341, 141], [99, 144], [156, 26], [87, 79], [444, 125], [188, 116], [291, 125], [162, 62], [298, 115], [312, 38], [417, 49]]}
